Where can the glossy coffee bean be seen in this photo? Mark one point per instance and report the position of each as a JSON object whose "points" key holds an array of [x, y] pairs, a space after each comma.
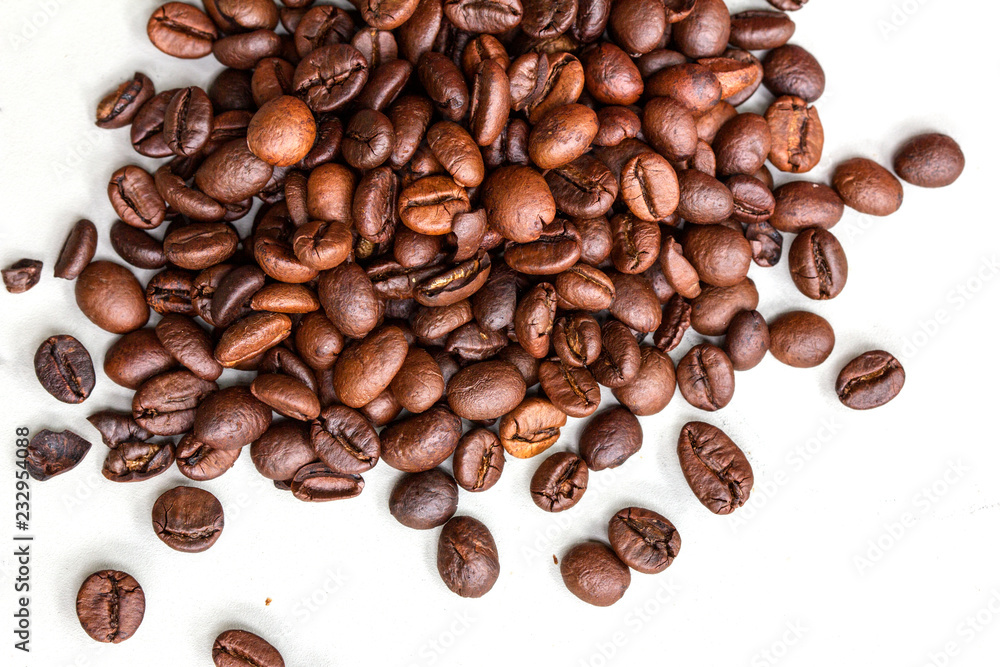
{"points": [[929, 160], [791, 70], [801, 339], [282, 132], [51, 453], [649, 187], [486, 390], [719, 254], [424, 500], [199, 462], [134, 197], [64, 368], [531, 428], [649, 392], [237, 648], [479, 460], [705, 377], [286, 396], [572, 390], [77, 251], [316, 483], [645, 541], [231, 418], [136, 357], [282, 450], [110, 605], [796, 135], [800, 204], [747, 340], [870, 380], [610, 439], [366, 368], [868, 187], [251, 336], [422, 441], [188, 519], [715, 468], [467, 557], [344, 440], [818, 264], [137, 247], [559, 482], [182, 30], [593, 573]]}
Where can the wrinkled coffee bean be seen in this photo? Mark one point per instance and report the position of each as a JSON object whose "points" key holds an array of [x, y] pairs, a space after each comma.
{"points": [[467, 557], [645, 541], [238, 648], [188, 519], [870, 380], [51, 453], [64, 368], [610, 438], [110, 605], [424, 500], [714, 467]]}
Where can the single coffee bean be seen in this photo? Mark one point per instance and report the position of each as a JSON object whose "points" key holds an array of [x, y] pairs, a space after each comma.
{"points": [[252, 336], [317, 483], [344, 440], [571, 389], [366, 368], [645, 541], [110, 605], [800, 204], [556, 250], [652, 387], [801, 339], [620, 358], [610, 438], [135, 199], [720, 254], [199, 462], [756, 30], [715, 468], [929, 161], [562, 135], [165, 404], [870, 380], [422, 441], [282, 450], [752, 199], [467, 557], [486, 390], [200, 245], [676, 320], [583, 188], [182, 30], [189, 345], [419, 384], [649, 187], [51, 453], [239, 648], [64, 368], [232, 173], [77, 251], [187, 121], [117, 427], [705, 377], [424, 500], [22, 275], [518, 202], [479, 460], [593, 573], [559, 482], [138, 461], [747, 340], [494, 18], [534, 318], [117, 109], [188, 519], [137, 247], [231, 418], [577, 340], [796, 135], [111, 297], [136, 357], [429, 205], [678, 271], [531, 427], [636, 304], [282, 132], [286, 396], [791, 70], [868, 187], [714, 309], [703, 199], [585, 288], [818, 264]]}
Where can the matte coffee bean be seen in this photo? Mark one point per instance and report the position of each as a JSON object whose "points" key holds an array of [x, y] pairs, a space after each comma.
{"points": [[534, 318], [286, 396], [583, 188], [457, 152], [344, 440], [742, 145], [720, 255], [703, 200], [619, 361], [636, 304], [199, 462], [135, 199], [929, 161], [645, 541], [419, 384], [818, 264], [649, 187], [189, 344], [366, 368], [572, 390], [531, 428], [637, 25], [562, 135], [714, 309], [610, 438], [424, 500], [585, 288], [138, 461], [467, 557], [117, 427], [368, 139], [868, 187], [715, 468], [232, 173], [51, 453], [315, 483], [479, 460], [518, 202], [487, 390], [282, 450], [77, 251], [870, 380], [118, 108], [165, 404], [64, 368], [110, 605], [22, 275], [188, 519], [765, 243], [705, 377], [577, 339], [800, 204], [676, 320], [747, 340], [200, 245], [652, 387], [796, 135], [801, 339], [136, 357], [422, 441], [791, 70], [494, 17], [559, 482], [444, 84], [231, 418], [593, 573], [182, 30], [678, 271], [239, 648], [757, 30]]}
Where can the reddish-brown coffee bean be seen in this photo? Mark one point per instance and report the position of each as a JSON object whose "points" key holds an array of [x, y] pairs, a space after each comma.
{"points": [[800, 204], [610, 438], [252, 336], [189, 344], [366, 368], [181, 30], [796, 135], [518, 202], [479, 460], [757, 30], [720, 255], [572, 390], [165, 404], [559, 482], [534, 319], [232, 173], [636, 303], [747, 340], [818, 264], [282, 450], [593, 573], [562, 135], [467, 558], [419, 384], [676, 320], [868, 187], [652, 387], [714, 309], [801, 339], [77, 250], [531, 427], [111, 297], [423, 441], [870, 380], [716, 470], [231, 418], [118, 108], [486, 390], [136, 357], [110, 604], [929, 161], [282, 132], [705, 377], [424, 500], [791, 70]]}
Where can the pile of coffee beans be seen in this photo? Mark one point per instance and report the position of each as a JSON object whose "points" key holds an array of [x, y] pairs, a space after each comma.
{"points": [[435, 229]]}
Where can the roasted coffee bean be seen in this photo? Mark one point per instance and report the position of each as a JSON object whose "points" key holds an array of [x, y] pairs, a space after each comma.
{"points": [[577, 339], [678, 271], [165, 404], [423, 441], [765, 243], [457, 152], [584, 188], [366, 368], [111, 297], [800, 204], [467, 557], [444, 84], [801, 339], [720, 254], [77, 251], [715, 468], [136, 357], [493, 17], [138, 461], [703, 199], [870, 380], [322, 26], [670, 128], [788, 5], [562, 135], [199, 462], [796, 135], [419, 384], [637, 25], [559, 482], [929, 161], [636, 242], [375, 206], [137, 247], [344, 440], [317, 483], [534, 318], [285, 298], [489, 104], [760, 29], [252, 336], [479, 460], [286, 396], [424, 500], [652, 387], [593, 573], [868, 187], [231, 297], [705, 377], [182, 30], [135, 199], [188, 519], [585, 288], [791, 70], [368, 139], [200, 245], [231, 418], [187, 121], [471, 342], [636, 304], [747, 340], [487, 390], [189, 345], [556, 250], [232, 173], [518, 202], [818, 264], [676, 320], [118, 108], [429, 205], [572, 390], [22, 275], [110, 604], [51, 453], [645, 541], [282, 450], [715, 307], [64, 368], [620, 358], [117, 427], [610, 438], [244, 50], [282, 132], [238, 648], [433, 323], [531, 428]]}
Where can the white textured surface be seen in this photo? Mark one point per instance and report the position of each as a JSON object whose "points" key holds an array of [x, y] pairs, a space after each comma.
{"points": [[350, 586]]}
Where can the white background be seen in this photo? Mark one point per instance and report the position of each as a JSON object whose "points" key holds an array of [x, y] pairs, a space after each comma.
{"points": [[842, 556]]}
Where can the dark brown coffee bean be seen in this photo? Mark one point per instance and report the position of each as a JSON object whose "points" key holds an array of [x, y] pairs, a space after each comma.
{"points": [[715, 307], [239, 648], [620, 358], [187, 121], [645, 541], [64, 368], [111, 297], [189, 345], [365, 369], [419, 384], [585, 288], [282, 450], [467, 557], [138, 461], [244, 50], [117, 109], [110, 604], [117, 427], [801, 339], [676, 320], [559, 482], [188, 519], [200, 245], [791, 70], [652, 387], [181, 30], [649, 187], [800, 204], [616, 125], [486, 390], [490, 102], [345, 441], [636, 242], [422, 441], [572, 390], [929, 161], [232, 173], [429, 205], [756, 30], [765, 243], [714, 467], [868, 187], [796, 135], [135, 199], [670, 128], [610, 439], [518, 202], [317, 483], [165, 404], [444, 84], [870, 380], [22, 275], [720, 255], [286, 396], [742, 145], [479, 460], [199, 462], [231, 418], [531, 427], [636, 304], [556, 250], [747, 340], [137, 247], [818, 264], [577, 340], [593, 573], [252, 336], [534, 318], [584, 188], [424, 500], [136, 357], [703, 199], [562, 135], [51, 453], [705, 377]]}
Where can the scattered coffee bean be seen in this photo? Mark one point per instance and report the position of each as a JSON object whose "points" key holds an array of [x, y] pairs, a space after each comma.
{"points": [[239, 648], [593, 573], [22, 275], [51, 454], [870, 380], [188, 519], [714, 467], [64, 368], [467, 557], [645, 541], [424, 500], [110, 606], [930, 161]]}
